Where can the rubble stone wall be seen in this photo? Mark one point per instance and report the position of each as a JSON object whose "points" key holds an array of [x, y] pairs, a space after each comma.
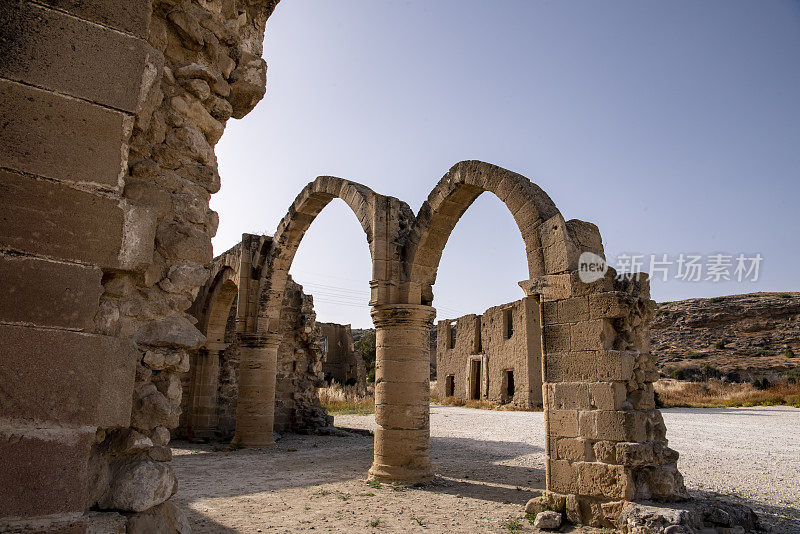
{"points": [[111, 112]]}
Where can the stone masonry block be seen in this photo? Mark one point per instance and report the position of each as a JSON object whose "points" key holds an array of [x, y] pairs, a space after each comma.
{"points": [[69, 377], [603, 480], [556, 338], [52, 50], [607, 395], [571, 366], [44, 476], [124, 15], [52, 219], [613, 425], [568, 396], [550, 313], [573, 310], [562, 423], [573, 449], [615, 365], [48, 293], [596, 334], [605, 451], [635, 454], [60, 137], [563, 476], [609, 305]]}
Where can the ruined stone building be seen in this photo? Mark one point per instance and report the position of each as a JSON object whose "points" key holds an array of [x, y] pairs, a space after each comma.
{"points": [[211, 387], [111, 111], [496, 356], [340, 360]]}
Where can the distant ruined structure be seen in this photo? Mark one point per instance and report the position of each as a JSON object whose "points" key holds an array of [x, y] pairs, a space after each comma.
{"points": [[496, 356], [111, 111], [340, 361]]}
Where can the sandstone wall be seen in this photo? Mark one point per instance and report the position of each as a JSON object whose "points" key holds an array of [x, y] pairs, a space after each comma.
{"points": [[484, 338], [111, 111]]}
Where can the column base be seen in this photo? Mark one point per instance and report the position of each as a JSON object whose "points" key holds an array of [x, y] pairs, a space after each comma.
{"points": [[400, 473], [253, 442]]}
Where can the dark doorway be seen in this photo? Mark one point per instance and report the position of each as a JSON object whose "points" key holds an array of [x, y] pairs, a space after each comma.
{"points": [[509, 383], [475, 380], [450, 386]]}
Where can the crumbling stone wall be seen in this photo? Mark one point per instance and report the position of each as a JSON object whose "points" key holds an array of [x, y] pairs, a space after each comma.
{"points": [[340, 361], [215, 365], [504, 343], [111, 111]]}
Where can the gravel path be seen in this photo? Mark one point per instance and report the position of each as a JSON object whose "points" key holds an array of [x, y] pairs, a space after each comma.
{"points": [[488, 464]]}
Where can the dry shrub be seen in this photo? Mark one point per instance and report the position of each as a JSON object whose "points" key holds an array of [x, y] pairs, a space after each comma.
{"points": [[717, 394], [342, 400]]}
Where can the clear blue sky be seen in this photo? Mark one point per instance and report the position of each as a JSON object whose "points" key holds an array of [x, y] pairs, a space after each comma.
{"points": [[673, 126]]}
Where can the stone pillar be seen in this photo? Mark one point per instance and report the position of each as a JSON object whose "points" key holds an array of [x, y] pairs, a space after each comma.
{"points": [[255, 408], [402, 393], [202, 409]]}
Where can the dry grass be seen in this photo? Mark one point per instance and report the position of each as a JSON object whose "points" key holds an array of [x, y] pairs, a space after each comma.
{"points": [[481, 404], [717, 394], [347, 400]]}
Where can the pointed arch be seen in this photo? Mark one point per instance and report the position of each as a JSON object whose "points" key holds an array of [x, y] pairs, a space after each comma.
{"points": [[549, 245], [308, 204]]}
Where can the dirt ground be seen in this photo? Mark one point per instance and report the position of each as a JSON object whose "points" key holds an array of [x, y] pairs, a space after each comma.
{"points": [[487, 464]]}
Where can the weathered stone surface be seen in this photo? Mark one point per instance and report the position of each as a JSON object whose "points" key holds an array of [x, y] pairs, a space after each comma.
{"points": [[184, 242], [51, 219], [166, 518], [699, 515], [248, 84], [43, 474], [171, 331], [54, 144], [547, 520], [152, 409], [52, 50], [139, 485], [89, 383], [48, 293]]}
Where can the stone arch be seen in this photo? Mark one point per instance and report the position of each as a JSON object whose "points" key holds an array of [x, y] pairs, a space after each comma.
{"points": [[305, 208], [203, 377], [549, 246], [605, 440], [220, 299], [255, 409]]}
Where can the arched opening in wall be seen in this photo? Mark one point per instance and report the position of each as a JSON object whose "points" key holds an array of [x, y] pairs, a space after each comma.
{"points": [[496, 357], [331, 271], [207, 413], [483, 311]]}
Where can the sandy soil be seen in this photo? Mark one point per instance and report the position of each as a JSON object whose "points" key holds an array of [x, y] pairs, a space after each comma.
{"points": [[488, 464]]}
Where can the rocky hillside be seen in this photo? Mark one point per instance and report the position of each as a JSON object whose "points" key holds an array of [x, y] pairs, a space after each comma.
{"points": [[738, 337]]}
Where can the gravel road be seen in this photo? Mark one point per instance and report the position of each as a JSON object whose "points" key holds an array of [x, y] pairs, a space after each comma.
{"points": [[488, 464]]}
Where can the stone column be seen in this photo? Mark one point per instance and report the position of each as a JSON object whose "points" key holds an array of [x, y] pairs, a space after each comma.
{"points": [[201, 418], [255, 407], [402, 393]]}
